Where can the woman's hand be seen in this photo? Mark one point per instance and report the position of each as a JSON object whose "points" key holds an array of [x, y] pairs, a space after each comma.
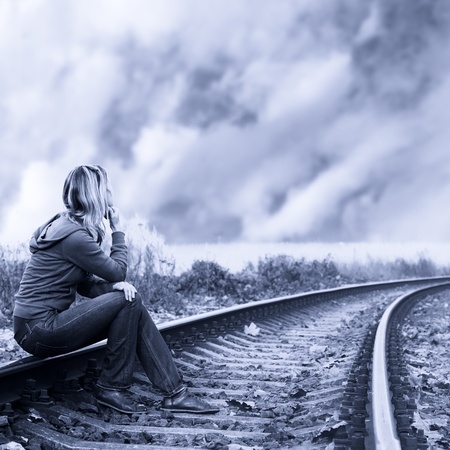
{"points": [[114, 218], [128, 289]]}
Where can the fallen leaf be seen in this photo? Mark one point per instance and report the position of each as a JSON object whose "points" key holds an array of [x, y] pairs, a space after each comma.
{"points": [[239, 447], [317, 350], [260, 393], [251, 329], [334, 371], [329, 430], [298, 393], [243, 406]]}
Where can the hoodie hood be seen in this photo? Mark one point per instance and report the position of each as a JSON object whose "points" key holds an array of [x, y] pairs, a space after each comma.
{"points": [[52, 232]]}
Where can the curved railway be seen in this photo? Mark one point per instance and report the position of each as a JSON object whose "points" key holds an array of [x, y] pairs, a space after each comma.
{"points": [[306, 371]]}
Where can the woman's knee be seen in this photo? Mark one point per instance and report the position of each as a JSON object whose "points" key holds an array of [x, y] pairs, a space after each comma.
{"points": [[137, 299], [135, 304]]}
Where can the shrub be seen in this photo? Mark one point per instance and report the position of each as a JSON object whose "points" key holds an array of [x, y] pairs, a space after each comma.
{"points": [[152, 275], [283, 275], [207, 285], [12, 265], [207, 278]]}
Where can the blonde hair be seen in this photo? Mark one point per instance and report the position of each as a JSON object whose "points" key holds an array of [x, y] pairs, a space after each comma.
{"points": [[86, 199]]}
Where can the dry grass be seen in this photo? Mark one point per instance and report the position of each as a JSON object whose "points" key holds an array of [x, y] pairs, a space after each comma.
{"points": [[206, 284]]}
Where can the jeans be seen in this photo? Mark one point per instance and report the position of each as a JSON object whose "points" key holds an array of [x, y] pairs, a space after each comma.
{"points": [[130, 332]]}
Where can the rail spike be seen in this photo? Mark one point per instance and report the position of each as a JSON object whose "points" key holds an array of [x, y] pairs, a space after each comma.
{"points": [[31, 395]]}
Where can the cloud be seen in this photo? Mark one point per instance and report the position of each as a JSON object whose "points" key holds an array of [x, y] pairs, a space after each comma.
{"points": [[246, 121], [37, 189], [309, 210]]}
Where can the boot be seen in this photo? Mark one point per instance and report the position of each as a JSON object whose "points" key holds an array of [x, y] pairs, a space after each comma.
{"points": [[121, 401], [184, 402]]}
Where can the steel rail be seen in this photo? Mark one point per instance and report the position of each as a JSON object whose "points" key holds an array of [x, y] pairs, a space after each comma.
{"points": [[14, 376], [384, 422]]}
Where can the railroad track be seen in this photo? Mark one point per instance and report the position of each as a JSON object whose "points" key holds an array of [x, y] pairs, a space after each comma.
{"points": [[293, 372]]}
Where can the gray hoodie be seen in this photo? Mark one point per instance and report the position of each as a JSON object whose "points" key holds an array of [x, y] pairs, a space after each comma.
{"points": [[66, 259]]}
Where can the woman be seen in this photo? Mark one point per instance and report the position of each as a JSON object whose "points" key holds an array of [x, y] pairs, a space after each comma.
{"points": [[66, 259]]}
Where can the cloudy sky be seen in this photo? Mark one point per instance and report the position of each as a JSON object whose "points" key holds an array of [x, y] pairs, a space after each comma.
{"points": [[231, 120]]}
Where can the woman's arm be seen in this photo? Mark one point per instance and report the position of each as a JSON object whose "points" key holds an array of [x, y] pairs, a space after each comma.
{"points": [[94, 286], [82, 250]]}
